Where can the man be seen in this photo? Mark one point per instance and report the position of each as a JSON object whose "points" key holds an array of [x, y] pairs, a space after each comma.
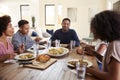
{"points": [[21, 41], [65, 35]]}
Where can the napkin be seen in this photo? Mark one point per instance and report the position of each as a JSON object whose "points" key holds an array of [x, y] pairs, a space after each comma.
{"points": [[10, 61]]}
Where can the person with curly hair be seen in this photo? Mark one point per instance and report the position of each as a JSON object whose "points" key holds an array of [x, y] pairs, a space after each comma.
{"points": [[6, 47], [106, 27]]}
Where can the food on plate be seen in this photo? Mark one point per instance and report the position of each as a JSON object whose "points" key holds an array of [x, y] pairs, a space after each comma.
{"points": [[43, 58], [26, 56], [56, 51], [73, 63]]}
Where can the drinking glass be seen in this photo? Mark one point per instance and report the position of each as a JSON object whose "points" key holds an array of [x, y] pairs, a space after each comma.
{"points": [[72, 44], [35, 48], [57, 43], [81, 71], [48, 44]]}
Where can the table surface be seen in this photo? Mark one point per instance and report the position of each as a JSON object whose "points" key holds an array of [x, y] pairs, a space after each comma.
{"points": [[57, 71]]}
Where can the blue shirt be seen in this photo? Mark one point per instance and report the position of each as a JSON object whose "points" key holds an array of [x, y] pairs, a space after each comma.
{"points": [[18, 39], [66, 37]]}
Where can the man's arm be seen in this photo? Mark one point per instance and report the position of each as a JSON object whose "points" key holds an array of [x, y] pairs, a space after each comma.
{"points": [[76, 39], [54, 36], [16, 43]]}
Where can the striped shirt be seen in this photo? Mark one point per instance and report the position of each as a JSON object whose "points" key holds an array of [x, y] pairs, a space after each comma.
{"points": [[18, 39]]}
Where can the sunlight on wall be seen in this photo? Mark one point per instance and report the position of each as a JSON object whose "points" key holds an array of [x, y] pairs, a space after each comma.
{"points": [[59, 14], [4, 10]]}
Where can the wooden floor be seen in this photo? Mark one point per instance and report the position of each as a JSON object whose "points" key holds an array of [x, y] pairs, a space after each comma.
{"points": [[57, 71]]}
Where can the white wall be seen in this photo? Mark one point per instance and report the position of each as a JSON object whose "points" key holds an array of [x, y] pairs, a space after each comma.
{"points": [[110, 4], [82, 24], [13, 9], [85, 8]]}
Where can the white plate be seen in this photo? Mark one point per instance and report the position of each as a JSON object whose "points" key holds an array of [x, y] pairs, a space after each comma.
{"points": [[65, 51], [64, 45], [85, 60], [18, 56], [32, 50]]}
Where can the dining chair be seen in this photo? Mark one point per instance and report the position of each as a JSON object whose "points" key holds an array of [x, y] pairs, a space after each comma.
{"points": [[89, 39]]}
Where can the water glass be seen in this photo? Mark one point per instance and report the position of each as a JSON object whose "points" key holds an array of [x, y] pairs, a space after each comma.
{"points": [[48, 44], [35, 48], [72, 44], [57, 43], [81, 71]]}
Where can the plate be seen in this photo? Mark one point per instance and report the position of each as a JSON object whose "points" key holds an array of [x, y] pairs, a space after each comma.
{"points": [[25, 56], [57, 51], [40, 47], [89, 64], [64, 45]]}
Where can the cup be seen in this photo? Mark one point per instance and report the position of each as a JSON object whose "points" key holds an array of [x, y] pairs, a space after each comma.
{"points": [[72, 44], [35, 48], [81, 71], [48, 44], [57, 43]]}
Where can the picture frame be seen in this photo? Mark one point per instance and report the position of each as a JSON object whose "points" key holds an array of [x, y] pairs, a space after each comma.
{"points": [[49, 15], [25, 12]]}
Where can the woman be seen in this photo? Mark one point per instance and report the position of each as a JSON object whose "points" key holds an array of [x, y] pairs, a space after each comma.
{"points": [[6, 29], [106, 27]]}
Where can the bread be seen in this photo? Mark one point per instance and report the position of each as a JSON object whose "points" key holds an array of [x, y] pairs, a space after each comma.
{"points": [[43, 58]]}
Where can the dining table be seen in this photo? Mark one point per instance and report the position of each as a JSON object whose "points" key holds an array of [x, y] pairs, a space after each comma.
{"points": [[57, 71]]}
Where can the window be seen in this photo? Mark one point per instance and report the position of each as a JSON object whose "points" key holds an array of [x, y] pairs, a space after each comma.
{"points": [[49, 15], [25, 12]]}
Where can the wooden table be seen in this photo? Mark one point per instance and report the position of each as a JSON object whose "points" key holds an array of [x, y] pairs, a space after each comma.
{"points": [[57, 71]]}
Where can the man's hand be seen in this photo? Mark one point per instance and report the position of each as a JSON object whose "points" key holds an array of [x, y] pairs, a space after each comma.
{"points": [[79, 50], [37, 39], [21, 48]]}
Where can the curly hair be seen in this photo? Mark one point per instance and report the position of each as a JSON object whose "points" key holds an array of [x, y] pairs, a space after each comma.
{"points": [[106, 26], [4, 20]]}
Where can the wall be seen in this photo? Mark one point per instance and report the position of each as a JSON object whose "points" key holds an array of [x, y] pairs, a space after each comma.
{"points": [[85, 9], [13, 9], [110, 4], [82, 24]]}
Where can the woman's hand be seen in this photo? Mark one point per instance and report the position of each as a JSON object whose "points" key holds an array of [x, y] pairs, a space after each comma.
{"points": [[89, 50], [12, 55], [7, 56]]}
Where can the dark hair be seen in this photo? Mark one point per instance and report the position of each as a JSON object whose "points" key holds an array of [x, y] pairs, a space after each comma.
{"points": [[106, 25], [4, 20], [66, 19], [22, 22]]}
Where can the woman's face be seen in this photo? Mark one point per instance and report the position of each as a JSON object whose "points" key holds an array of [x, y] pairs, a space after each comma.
{"points": [[10, 30]]}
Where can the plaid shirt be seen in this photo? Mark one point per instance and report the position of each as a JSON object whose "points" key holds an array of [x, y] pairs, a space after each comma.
{"points": [[18, 39]]}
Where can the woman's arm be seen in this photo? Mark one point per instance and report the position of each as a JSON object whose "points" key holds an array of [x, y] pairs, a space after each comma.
{"points": [[101, 48], [4, 57], [7, 56], [90, 51], [112, 74]]}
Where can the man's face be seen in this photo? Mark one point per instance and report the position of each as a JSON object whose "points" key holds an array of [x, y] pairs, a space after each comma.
{"points": [[25, 29], [65, 25]]}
